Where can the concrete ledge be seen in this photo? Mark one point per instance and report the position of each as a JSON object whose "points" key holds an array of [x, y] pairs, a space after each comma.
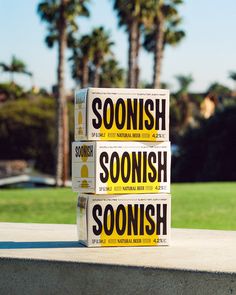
{"points": [[20, 276], [46, 259]]}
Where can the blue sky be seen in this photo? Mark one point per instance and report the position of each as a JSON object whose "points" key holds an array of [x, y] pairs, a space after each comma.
{"points": [[208, 52]]}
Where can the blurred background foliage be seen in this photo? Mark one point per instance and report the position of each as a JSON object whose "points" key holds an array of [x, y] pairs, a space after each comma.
{"points": [[201, 124], [27, 130], [203, 148], [207, 153]]}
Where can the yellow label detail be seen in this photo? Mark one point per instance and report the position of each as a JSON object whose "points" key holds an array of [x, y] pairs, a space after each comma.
{"points": [[128, 240], [84, 184], [84, 171], [80, 118]]}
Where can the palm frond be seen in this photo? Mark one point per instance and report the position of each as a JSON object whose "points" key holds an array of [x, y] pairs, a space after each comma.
{"points": [[5, 67], [50, 10]]}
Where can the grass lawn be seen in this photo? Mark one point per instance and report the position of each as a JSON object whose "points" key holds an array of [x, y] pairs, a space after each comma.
{"points": [[204, 205], [199, 205]]}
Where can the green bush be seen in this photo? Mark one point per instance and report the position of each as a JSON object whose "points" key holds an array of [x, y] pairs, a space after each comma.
{"points": [[208, 153], [27, 131], [11, 91]]}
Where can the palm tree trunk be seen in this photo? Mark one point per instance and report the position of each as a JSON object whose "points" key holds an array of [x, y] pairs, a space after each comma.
{"points": [[158, 54], [32, 81], [12, 77], [65, 171], [133, 65], [96, 76], [137, 70], [62, 136], [85, 74]]}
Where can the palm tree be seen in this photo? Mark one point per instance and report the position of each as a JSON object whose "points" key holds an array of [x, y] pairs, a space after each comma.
{"points": [[164, 31], [232, 75], [184, 83], [16, 66], [60, 16], [81, 56], [133, 15], [111, 74], [218, 90], [100, 48], [77, 66], [183, 102]]}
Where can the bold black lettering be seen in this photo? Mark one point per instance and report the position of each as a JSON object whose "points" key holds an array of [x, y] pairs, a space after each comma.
{"points": [[108, 211], [108, 109], [133, 219], [161, 219], [160, 115], [125, 172], [120, 216], [144, 170], [84, 151], [140, 114], [115, 167], [150, 211], [162, 166], [104, 159], [97, 105], [136, 165], [152, 158], [97, 211], [149, 125], [120, 113], [132, 113], [141, 219], [77, 151]]}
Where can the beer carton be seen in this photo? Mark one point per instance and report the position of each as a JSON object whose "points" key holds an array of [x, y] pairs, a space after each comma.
{"points": [[121, 114], [124, 220], [121, 167]]}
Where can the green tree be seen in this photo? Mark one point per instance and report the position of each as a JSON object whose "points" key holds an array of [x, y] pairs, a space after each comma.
{"points": [[27, 131], [218, 89], [60, 16], [207, 153], [100, 49], [133, 15], [16, 66], [183, 101], [232, 76], [184, 83], [112, 75], [81, 57], [164, 31], [9, 91]]}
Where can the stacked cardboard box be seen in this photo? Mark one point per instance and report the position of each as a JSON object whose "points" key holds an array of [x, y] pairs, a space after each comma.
{"points": [[121, 167]]}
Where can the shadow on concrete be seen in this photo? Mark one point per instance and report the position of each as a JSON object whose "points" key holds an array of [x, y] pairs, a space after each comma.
{"points": [[33, 245]]}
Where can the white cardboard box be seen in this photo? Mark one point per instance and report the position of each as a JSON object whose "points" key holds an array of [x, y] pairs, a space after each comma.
{"points": [[124, 220], [121, 167], [122, 114]]}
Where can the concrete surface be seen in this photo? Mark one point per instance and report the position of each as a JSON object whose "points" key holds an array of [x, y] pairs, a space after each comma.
{"points": [[46, 259]]}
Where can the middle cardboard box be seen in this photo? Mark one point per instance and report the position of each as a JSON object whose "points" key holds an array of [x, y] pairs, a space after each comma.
{"points": [[111, 167]]}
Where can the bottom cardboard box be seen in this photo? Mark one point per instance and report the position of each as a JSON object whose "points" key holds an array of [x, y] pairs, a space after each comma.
{"points": [[124, 220]]}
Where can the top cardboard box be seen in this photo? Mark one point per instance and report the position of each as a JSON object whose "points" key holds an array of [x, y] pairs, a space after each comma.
{"points": [[122, 114]]}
